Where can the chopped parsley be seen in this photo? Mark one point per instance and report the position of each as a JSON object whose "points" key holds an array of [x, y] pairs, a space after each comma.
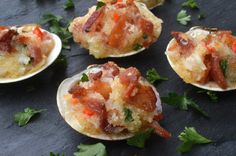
{"points": [[56, 26], [182, 102], [128, 115], [153, 76], [140, 138], [223, 66], [100, 4], [183, 18], [190, 4], [69, 5], [22, 118], [91, 150], [190, 137], [84, 78], [137, 47]]}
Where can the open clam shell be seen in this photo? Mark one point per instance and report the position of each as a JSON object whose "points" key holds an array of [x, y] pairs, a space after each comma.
{"points": [[67, 112], [211, 85], [50, 59]]}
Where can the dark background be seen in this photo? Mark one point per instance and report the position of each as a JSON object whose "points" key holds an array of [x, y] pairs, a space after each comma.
{"points": [[48, 132]]}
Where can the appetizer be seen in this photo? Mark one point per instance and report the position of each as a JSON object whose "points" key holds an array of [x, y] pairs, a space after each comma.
{"points": [[24, 50], [204, 57], [149, 3], [116, 29], [110, 103]]}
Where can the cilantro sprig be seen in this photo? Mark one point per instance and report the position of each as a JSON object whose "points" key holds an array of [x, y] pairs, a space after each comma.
{"points": [[182, 102], [91, 150], [190, 4], [22, 118], [69, 5], [84, 78], [140, 139], [153, 76], [183, 18], [212, 95], [128, 115], [190, 137]]}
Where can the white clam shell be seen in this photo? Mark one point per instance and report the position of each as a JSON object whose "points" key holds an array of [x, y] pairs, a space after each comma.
{"points": [[212, 86], [51, 58], [65, 109]]}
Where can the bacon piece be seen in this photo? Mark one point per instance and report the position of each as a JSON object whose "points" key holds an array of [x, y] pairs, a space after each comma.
{"points": [[111, 66], [160, 130], [146, 26], [158, 117], [95, 76], [130, 75], [92, 19], [207, 76], [102, 88], [5, 40], [144, 99], [216, 72], [77, 91]]}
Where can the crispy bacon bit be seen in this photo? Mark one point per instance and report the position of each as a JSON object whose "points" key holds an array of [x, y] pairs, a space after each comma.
{"points": [[95, 105], [158, 117], [35, 53], [92, 19], [160, 130], [77, 91], [130, 75], [112, 66], [216, 72], [146, 26], [184, 42], [102, 88], [144, 99], [95, 76], [5, 40], [207, 62]]}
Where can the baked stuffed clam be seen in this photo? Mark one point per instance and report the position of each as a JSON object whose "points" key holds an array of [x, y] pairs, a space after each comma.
{"points": [[110, 103], [204, 57], [117, 29], [25, 51]]}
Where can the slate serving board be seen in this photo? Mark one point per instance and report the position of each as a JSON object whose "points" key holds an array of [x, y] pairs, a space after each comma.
{"points": [[49, 132]]}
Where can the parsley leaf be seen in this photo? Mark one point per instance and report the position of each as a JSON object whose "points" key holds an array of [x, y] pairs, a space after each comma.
{"points": [[190, 137], [223, 66], [69, 5], [100, 4], [191, 4], [22, 118], [56, 154], [183, 18], [212, 95], [56, 26], [137, 47], [140, 138], [128, 115], [91, 150], [153, 76], [84, 78], [182, 102]]}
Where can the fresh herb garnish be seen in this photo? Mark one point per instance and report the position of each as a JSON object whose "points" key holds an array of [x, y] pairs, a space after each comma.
{"points": [[91, 150], [153, 76], [140, 138], [212, 95], [84, 78], [22, 118], [182, 102], [190, 137], [137, 47], [69, 5], [201, 16], [183, 18], [100, 4], [223, 66], [191, 4], [57, 27], [128, 115], [56, 154]]}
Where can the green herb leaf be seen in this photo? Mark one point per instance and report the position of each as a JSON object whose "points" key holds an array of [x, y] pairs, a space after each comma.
{"points": [[69, 5], [212, 95], [153, 76], [223, 66], [190, 137], [22, 118], [183, 18], [137, 47], [56, 26], [100, 4], [128, 115], [201, 16], [190, 4], [84, 78], [91, 150], [56, 154], [140, 138], [182, 102]]}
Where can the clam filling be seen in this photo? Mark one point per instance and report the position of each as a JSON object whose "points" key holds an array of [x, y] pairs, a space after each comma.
{"points": [[23, 50], [113, 100]]}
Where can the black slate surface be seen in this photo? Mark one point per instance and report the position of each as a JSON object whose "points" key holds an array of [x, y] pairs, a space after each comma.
{"points": [[49, 133]]}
